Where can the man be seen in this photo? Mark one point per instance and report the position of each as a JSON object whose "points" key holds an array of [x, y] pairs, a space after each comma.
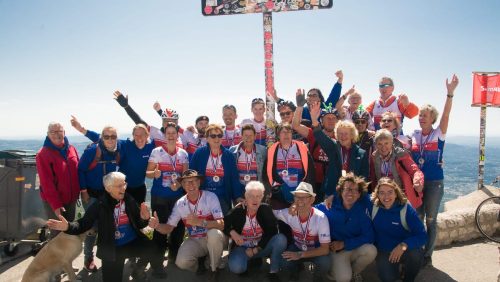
{"points": [[311, 234], [120, 220], [387, 102], [329, 118], [202, 215], [232, 133], [191, 139], [258, 121], [57, 166], [97, 160]]}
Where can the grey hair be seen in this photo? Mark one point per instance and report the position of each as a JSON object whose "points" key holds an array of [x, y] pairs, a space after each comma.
{"points": [[109, 127], [52, 124], [432, 110], [382, 134], [254, 186], [110, 178]]}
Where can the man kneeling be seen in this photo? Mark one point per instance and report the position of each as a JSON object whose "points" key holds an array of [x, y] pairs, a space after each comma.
{"points": [[202, 215]]}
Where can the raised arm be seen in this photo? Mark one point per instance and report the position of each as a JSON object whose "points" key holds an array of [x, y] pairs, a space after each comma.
{"points": [[342, 99], [93, 136], [300, 99], [123, 101], [337, 88], [445, 117]]}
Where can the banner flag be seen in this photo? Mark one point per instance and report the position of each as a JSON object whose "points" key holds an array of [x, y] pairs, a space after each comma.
{"points": [[486, 90]]}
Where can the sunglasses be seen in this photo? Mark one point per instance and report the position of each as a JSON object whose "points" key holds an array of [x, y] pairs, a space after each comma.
{"points": [[312, 95], [360, 121], [384, 85], [257, 100], [213, 136], [388, 120], [283, 114], [108, 137]]}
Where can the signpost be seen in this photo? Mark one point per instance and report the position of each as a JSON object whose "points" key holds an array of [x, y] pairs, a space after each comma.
{"points": [[266, 7], [486, 93]]}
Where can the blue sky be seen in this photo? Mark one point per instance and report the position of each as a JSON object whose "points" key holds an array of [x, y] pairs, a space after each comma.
{"points": [[60, 58]]}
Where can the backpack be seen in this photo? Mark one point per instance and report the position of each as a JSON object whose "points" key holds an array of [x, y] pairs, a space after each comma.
{"points": [[402, 214], [97, 159]]}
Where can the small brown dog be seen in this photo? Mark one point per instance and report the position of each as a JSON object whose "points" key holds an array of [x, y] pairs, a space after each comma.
{"points": [[56, 256]]}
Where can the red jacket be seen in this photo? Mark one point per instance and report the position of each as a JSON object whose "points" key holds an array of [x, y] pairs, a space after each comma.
{"points": [[58, 176]]}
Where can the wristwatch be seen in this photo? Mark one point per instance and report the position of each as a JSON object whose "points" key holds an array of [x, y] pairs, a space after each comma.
{"points": [[204, 223], [300, 254], [404, 247]]}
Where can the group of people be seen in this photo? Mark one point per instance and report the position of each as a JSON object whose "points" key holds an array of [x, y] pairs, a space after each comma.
{"points": [[341, 187]]}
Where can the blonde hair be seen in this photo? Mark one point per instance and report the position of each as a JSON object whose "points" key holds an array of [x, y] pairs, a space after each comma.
{"points": [[394, 118], [140, 125], [400, 196], [349, 125], [213, 127], [432, 110]]}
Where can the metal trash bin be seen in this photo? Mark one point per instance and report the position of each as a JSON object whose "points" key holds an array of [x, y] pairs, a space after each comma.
{"points": [[21, 209]]}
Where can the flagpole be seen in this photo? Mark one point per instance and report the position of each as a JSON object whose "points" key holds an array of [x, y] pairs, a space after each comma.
{"points": [[482, 147]]}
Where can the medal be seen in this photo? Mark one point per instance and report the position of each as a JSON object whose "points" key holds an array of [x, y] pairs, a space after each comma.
{"points": [[344, 172], [422, 144], [117, 214], [174, 176], [285, 159], [304, 247], [118, 234], [216, 178], [284, 172], [421, 161], [215, 164], [247, 177]]}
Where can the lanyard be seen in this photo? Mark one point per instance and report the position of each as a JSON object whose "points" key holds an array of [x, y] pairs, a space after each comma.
{"points": [[304, 232], [386, 167], [174, 160], [195, 205], [422, 144], [215, 163], [344, 156], [118, 214], [230, 141], [248, 161], [253, 224], [285, 157]]}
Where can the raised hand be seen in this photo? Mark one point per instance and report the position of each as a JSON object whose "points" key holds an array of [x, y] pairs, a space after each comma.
{"points": [[122, 100], [452, 85], [300, 97], [315, 110], [340, 76], [404, 99], [76, 124], [157, 106]]}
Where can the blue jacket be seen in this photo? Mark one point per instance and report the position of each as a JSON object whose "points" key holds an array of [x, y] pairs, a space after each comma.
{"points": [[231, 177], [353, 226], [133, 161], [260, 156], [332, 98], [358, 162], [389, 231], [91, 178]]}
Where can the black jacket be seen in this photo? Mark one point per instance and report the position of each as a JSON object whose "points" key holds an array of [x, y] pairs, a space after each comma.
{"points": [[102, 211], [236, 218]]}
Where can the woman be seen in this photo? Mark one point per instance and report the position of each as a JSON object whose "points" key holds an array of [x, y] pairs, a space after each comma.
{"points": [[351, 230], [253, 228], [361, 119], [399, 233], [165, 165], [397, 164], [120, 220], [391, 122], [288, 163], [218, 165], [427, 152], [344, 155], [249, 156]]}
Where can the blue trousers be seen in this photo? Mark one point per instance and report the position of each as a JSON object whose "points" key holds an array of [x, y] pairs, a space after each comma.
{"points": [[322, 263], [433, 194], [238, 259], [411, 259]]}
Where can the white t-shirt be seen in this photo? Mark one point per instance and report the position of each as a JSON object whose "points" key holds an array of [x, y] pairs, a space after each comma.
{"points": [[260, 129], [207, 207], [169, 164], [309, 233], [231, 137]]}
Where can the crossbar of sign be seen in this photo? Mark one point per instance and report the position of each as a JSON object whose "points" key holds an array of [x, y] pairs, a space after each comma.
{"points": [[234, 7]]}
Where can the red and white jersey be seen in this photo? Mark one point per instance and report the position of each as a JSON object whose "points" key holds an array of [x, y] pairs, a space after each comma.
{"points": [[246, 165], [206, 207], [159, 138], [169, 164], [260, 129], [308, 233], [251, 232], [232, 136], [289, 165], [380, 107], [191, 141]]}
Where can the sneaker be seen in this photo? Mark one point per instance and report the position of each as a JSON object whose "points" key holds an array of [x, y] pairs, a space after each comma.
{"points": [[213, 276], [159, 273], [273, 277], [356, 277], [89, 265]]}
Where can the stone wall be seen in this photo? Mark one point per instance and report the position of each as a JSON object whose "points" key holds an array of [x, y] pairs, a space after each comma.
{"points": [[459, 225]]}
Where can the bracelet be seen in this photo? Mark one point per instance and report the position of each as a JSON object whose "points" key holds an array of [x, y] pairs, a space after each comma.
{"points": [[449, 96]]}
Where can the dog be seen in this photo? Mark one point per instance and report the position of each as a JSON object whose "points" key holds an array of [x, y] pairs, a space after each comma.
{"points": [[56, 256]]}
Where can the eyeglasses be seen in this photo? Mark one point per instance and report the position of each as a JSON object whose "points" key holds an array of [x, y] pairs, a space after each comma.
{"points": [[351, 190], [56, 131], [124, 184], [283, 114], [387, 120], [213, 136], [312, 94], [360, 121], [384, 85], [257, 100], [107, 137]]}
